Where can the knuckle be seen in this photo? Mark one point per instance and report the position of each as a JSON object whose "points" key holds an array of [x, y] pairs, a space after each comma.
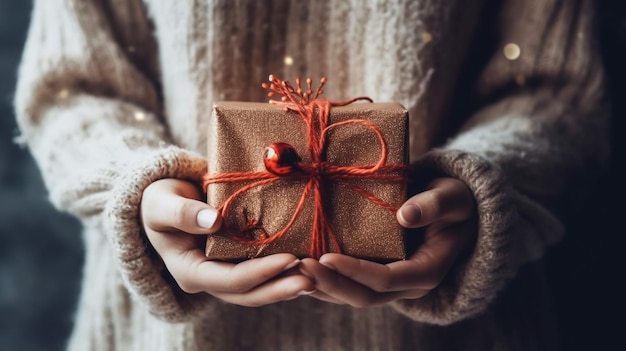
{"points": [[184, 272], [434, 199], [187, 285], [181, 212]]}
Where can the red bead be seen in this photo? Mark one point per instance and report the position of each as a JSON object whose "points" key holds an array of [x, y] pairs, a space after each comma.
{"points": [[281, 159]]}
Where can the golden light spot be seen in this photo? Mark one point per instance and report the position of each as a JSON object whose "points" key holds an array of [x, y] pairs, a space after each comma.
{"points": [[140, 116], [427, 37], [288, 60], [63, 94], [512, 51], [520, 80]]}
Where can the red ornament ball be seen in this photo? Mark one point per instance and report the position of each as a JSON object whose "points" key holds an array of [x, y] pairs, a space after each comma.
{"points": [[281, 159]]}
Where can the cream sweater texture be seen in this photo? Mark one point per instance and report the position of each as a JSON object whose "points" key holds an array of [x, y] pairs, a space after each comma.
{"points": [[115, 94]]}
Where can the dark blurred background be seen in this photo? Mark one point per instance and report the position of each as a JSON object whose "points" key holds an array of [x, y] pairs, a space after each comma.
{"points": [[41, 250]]}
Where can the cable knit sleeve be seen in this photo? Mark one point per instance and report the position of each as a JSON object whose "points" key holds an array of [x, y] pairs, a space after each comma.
{"points": [[87, 105], [536, 139]]}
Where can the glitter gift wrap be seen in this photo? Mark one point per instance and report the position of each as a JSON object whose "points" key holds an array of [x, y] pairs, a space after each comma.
{"points": [[240, 132]]}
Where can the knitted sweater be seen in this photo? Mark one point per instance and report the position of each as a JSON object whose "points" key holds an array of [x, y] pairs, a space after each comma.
{"points": [[507, 96]]}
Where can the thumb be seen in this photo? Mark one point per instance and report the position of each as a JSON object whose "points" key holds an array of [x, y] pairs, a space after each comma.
{"points": [[175, 205], [446, 199]]}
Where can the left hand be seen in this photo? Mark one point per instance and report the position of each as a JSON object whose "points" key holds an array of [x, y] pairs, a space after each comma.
{"points": [[173, 219], [446, 211]]}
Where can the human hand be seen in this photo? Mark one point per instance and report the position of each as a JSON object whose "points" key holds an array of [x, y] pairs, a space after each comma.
{"points": [[176, 221], [447, 212]]}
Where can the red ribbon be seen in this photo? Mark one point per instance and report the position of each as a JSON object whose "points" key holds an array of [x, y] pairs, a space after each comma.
{"points": [[306, 104]]}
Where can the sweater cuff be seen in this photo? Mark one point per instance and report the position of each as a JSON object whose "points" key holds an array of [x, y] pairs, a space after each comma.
{"points": [[512, 230], [141, 268]]}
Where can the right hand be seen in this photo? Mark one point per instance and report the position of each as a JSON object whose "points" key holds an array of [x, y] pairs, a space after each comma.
{"points": [[176, 220]]}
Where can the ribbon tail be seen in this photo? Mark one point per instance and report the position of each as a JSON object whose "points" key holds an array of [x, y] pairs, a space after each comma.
{"points": [[322, 228], [368, 195]]}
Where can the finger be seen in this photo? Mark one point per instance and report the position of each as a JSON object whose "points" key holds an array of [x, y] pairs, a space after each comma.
{"points": [[412, 294], [393, 277], [446, 199], [326, 298], [173, 205], [317, 294], [342, 289], [194, 273], [280, 289], [407, 295], [425, 269]]}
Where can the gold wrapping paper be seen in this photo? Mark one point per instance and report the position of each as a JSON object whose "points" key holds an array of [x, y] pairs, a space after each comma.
{"points": [[238, 134]]}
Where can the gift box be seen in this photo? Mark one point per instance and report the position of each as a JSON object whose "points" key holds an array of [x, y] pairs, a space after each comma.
{"points": [[340, 195]]}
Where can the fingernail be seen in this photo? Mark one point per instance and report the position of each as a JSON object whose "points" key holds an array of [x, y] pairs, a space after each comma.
{"points": [[301, 293], [410, 214], [291, 265], [206, 218]]}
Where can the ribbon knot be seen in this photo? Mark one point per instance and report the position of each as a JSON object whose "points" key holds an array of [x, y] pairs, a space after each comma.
{"points": [[319, 168], [283, 163]]}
